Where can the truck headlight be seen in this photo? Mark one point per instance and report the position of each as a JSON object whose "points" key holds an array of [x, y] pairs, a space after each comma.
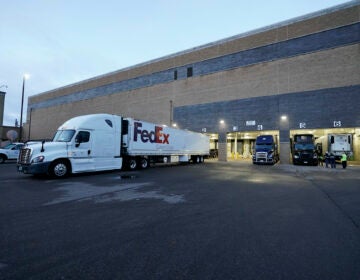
{"points": [[38, 159], [315, 156], [296, 156]]}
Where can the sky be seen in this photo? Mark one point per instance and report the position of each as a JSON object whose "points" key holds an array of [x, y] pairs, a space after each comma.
{"points": [[58, 43]]}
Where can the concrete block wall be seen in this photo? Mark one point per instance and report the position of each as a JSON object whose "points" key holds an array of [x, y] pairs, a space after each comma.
{"points": [[313, 53], [318, 109]]}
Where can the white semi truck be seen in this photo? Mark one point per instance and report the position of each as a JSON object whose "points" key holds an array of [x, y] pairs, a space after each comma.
{"points": [[100, 142]]}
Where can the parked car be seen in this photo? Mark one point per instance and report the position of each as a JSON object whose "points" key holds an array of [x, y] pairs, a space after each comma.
{"points": [[11, 151]]}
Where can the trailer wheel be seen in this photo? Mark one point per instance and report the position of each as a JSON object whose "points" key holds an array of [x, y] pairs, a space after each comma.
{"points": [[195, 159], [132, 164], [144, 163], [59, 169]]}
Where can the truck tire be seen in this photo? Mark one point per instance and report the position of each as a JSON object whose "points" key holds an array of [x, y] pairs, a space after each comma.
{"points": [[195, 159], [144, 163], [132, 163], [59, 169], [2, 158]]}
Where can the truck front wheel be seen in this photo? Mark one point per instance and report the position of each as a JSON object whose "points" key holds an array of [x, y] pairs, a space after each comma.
{"points": [[59, 169]]}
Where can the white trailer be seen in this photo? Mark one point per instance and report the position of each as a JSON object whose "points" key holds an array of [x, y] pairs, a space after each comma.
{"points": [[339, 143], [335, 143], [107, 142]]}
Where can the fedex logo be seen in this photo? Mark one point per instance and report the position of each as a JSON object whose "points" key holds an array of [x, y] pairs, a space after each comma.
{"points": [[153, 136]]}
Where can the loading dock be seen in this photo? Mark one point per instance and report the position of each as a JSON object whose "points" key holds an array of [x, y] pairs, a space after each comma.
{"points": [[325, 139], [240, 144]]}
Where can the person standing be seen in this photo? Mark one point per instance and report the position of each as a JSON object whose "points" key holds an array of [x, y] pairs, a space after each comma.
{"points": [[344, 160], [327, 159], [332, 161], [321, 159]]}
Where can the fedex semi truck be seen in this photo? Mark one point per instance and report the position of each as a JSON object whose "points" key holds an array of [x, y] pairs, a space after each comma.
{"points": [[100, 142]]}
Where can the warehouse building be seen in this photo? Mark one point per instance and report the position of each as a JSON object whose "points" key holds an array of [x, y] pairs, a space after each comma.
{"points": [[298, 76]]}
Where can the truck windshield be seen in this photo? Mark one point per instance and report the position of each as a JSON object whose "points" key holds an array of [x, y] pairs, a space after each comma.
{"points": [[264, 146], [63, 135], [305, 146]]}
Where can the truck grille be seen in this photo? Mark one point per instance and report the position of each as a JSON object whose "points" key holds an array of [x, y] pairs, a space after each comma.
{"points": [[261, 156], [24, 156], [306, 156]]}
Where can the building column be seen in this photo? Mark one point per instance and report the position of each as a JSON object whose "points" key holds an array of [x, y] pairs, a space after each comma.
{"points": [[235, 147], [222, 146], [284, 139], [285, 146]]}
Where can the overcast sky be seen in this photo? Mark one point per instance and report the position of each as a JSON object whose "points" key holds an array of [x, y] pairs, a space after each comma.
{"points": [[62, 42]]}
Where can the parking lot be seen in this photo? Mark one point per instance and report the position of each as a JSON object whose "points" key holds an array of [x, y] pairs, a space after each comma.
{"points": [[214, 220]]}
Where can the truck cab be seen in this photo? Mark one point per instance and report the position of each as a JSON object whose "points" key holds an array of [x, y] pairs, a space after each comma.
{"points": [[82, 144], [266, 150], [303, 150]]}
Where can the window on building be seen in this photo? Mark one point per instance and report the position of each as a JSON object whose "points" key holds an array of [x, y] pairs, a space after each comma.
{"points": [[175, 75], [189, 72]]}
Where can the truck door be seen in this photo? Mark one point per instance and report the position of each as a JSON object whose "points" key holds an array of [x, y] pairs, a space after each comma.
{"points": [[82, 152]]}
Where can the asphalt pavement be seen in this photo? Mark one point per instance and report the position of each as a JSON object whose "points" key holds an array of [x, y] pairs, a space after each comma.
{"points": [[214, 220]]}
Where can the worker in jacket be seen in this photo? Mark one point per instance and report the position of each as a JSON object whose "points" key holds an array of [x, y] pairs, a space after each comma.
{"points": [[332, 160], [343, 160], [327, 159]]}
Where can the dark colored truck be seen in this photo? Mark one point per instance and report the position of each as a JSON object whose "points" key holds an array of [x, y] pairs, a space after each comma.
{"points": [[266, 150], [303, 150]]}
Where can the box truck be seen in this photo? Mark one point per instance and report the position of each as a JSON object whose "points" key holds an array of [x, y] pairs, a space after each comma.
{"points": [[266, 150], [100, 142], [303, 150]]}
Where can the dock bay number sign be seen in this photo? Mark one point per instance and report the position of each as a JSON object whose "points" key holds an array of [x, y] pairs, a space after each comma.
{"points": [[250, 123], [337, 123]]}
